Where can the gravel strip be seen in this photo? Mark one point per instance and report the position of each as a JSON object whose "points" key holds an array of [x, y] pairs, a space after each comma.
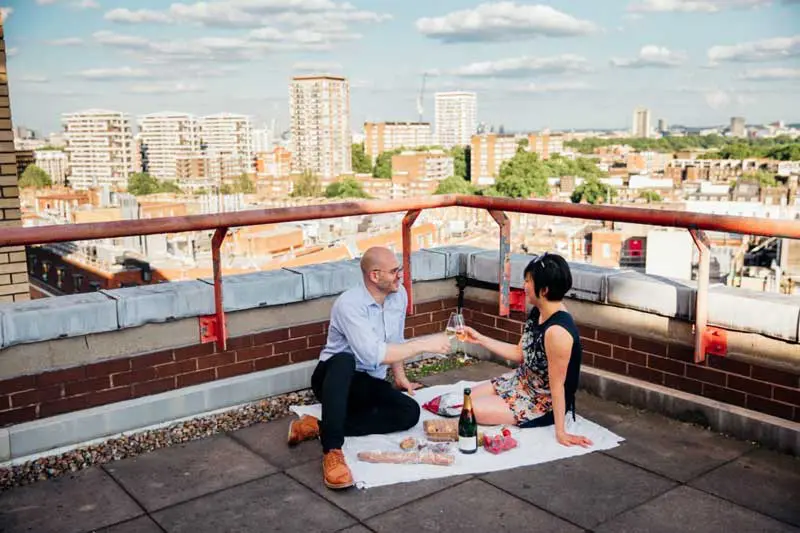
{"points": [[135, 444]]}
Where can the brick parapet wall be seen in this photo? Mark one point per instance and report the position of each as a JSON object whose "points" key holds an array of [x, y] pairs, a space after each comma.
{"points": [[48, 394], [13, 264], [759, 388]]}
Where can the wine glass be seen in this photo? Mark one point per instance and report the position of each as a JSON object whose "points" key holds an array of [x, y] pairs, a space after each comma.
{"points": [[455, 329]]}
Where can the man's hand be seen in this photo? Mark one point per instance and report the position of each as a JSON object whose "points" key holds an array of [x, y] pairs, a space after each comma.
{"points": [[406, 385], [566, 439], [438, 343], [473, 337]]}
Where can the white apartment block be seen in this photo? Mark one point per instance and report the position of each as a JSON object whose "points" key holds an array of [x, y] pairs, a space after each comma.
{"points": [[229, 137], [55, 163], [319, 109], [163, 138], [641, 122], [99, 148], [456, 118], [382, 137]]}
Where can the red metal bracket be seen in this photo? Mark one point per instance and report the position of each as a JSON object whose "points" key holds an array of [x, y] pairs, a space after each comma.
{"points": [[222, 330], [209, 329], [716, 341], [505, 260], [518, 301], [408, 221]]}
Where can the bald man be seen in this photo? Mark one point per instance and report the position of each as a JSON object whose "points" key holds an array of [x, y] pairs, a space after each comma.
{"points": [[365, 336]]}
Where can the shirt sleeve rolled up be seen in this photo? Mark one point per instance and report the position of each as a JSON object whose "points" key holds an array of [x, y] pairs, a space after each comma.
{"points": [[353, 322]]}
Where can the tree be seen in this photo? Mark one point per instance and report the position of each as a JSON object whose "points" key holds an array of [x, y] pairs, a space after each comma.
{"points": [[762, 177], [226, 188], [346, 188], [361, 162], [140, 183], [593, 191], [34, 176], [169, 186], [650, 196], [244, 184], [455, 185], [307, 185], [523, 143], [460, 165], [383, 165], [522, 176]]}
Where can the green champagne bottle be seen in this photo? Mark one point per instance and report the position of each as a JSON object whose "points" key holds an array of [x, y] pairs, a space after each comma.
{"points": [[467, 426]]}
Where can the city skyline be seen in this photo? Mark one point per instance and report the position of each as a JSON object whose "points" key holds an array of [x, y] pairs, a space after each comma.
{"points": [[562, 65]]}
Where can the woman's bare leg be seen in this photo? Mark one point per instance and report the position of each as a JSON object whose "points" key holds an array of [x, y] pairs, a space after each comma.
{"points": [[484, 388], [493, 411]]}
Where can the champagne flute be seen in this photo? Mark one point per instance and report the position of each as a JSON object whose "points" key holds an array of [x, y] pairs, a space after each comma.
{"points": [[455, 329]]}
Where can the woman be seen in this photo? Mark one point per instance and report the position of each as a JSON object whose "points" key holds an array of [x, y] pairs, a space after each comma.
{"points": [[542, 389]]}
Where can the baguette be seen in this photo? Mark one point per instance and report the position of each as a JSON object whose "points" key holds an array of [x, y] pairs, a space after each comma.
{"points": [[439, 459]]}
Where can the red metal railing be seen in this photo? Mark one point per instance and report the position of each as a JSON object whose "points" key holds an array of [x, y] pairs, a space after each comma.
{"points": [[694, 222]]}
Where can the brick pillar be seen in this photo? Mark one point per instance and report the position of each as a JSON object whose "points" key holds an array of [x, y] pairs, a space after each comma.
{"points": [[13, 264]]}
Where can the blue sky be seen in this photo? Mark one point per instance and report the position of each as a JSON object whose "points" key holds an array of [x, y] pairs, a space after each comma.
{"points": [[559, 64]]}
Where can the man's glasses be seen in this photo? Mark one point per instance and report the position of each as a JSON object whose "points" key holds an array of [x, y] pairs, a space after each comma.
{"points": [[393, 272]]}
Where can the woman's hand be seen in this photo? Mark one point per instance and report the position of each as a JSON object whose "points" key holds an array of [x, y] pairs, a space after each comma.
{"points": [[472, 336], [566, 439]]}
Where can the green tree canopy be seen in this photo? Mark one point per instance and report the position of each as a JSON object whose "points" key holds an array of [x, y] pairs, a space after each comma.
{"points": [[346, 188], [650, 196], [244, 185], [169, 186], [34, 176], [593, 191], [460, 161], [522, 176], [307, 185], [141, 183], [783, 148], [383, 165], [763, 177], [361, 162], [455, 185]]}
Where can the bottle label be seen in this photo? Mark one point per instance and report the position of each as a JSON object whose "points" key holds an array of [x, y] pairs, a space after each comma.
{"points": [[468, 444]]}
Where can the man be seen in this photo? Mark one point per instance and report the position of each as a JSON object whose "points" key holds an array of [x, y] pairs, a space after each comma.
{"points": [[366, 334]]}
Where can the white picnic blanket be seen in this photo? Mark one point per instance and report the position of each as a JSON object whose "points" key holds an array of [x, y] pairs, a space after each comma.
{"points": [[536, 445]]}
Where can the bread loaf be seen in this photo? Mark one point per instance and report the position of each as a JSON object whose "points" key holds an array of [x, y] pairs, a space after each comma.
{"points": [[439, 459]]}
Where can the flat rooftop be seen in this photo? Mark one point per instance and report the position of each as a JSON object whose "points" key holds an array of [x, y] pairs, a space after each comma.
{"points": [[667, 476]]}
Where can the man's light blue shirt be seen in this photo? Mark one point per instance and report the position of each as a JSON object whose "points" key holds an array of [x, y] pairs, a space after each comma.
{"points": [[362, 327]]}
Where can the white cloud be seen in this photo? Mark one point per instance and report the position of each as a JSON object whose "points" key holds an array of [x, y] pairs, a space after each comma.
{"points": [[695, 6], [32, 78], [67, 41], [135, 17], [503, 21], [765, 50], [86, 4], [317, 66], [523, 66], [165, 88], [771, 74], [120, 40], [113, 73], [719, 100], [651, 56], [11, 52], [5, 12], [557, 87], [45, 2]]}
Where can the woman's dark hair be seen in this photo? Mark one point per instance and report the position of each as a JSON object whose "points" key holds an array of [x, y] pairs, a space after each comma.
{"points": [[550, 271]]}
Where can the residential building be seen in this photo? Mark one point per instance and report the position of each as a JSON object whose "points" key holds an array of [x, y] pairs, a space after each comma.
{"points": [[545, 144], [648, 162], [641, 122], [456, 118], [319, 109], [382, 137], [206, 171], [489, 151], [163, 138], [276, 162], [24, 159], [432, 166], [662, 126], [55, 163], [99, 148], [228, 137], [738, 127], [714, 170]]}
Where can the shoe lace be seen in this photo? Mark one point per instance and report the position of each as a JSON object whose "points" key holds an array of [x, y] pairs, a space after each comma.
{"points": [[335, 458]]}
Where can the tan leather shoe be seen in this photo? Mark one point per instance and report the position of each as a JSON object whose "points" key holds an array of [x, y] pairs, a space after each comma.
{"points": [[304, 428], [335, 471]]}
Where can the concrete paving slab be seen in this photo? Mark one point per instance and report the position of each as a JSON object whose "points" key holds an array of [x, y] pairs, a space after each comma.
{"points": [[586, 490], [274, 503], [686, 510], [367, 503], [356, 529], [269, 441], [776, 476], [674, 449], [138, 525], [471, 506], [606, 413], [176, 474], [75, 503]]}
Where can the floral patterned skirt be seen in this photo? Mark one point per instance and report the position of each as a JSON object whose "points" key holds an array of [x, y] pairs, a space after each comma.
{"points": [[525, 393]]}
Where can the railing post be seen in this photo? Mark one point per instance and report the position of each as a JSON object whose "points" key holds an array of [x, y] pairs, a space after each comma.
{"points": [[701, 313], [222, 330], [408, 221], [505, 260]]}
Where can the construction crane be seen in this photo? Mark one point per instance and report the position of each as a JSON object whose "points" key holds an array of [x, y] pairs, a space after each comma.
{"points": [[420, 109]]}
